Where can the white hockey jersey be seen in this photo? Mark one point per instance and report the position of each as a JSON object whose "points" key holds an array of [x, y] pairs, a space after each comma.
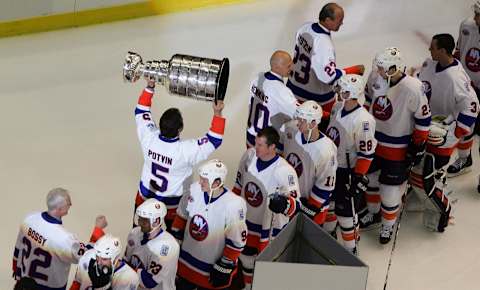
{"points": [[154, 258], [401, 116], [167, 171], [354, 133], [213, 229], [271, 104], [44, 251], [256, 180], [124, 277], [314, 65], [468, 49], [315, 164], [450, 94]]}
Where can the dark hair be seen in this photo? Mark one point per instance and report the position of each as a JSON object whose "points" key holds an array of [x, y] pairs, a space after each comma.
{"points": [[26, 283], [445, 41], [328, 11], [171, 123], [270, 134]]}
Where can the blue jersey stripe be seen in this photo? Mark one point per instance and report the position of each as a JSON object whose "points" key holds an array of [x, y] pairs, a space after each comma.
{"points": [[367, 156], [308, 95], [147, 279], [467, 120], [205, 267], [323, 194], [167, 200], [392, 140], [215, 141], [423, 122], [140, 111]]}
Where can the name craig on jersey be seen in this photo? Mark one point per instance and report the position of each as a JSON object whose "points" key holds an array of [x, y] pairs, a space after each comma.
{"points": [[159, 157], [37, 237], [259, 94]]}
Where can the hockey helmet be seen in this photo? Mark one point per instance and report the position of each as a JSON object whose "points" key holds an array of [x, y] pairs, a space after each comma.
{"points": [[309, 111], [108, 247], [212, 170], [153, 210], [352, 84], [388, 58]]}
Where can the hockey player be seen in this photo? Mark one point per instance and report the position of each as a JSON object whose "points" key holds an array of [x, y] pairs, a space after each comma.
{"points": [[167, 170], [269, 185], [103, 268], [45, 249], [152, 251], [468, 52], [314, 158], [402, 117], [314, 64], [452, 99], [271, 102], [352, 129], [211, 223]]}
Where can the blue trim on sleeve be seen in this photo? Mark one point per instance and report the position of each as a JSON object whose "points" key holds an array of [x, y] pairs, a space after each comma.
{"points": [[231, 244], [147, 279], [322, 193], [423, 122], [321, 98], [338, 74], [216, 142], [466, 120], [140, 111], [367, 156]]}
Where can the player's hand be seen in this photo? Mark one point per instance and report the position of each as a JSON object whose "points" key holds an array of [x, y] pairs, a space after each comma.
{"points": [[359, 184], [361, 69], [221, 272], [101, 222], [278, 203], [218, 108]]}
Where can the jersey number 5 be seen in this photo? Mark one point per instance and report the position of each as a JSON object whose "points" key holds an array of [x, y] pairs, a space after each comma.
{"points": [[157, 172]]}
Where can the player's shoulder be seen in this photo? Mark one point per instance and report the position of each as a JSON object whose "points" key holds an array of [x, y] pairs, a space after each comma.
{"points": [[412, 84], [306, 26], [164, 244], [468, 23], [134, 235], [126, 273], [327, 146], [85, 259], [364, 116], [428, 63], [233, 200]]}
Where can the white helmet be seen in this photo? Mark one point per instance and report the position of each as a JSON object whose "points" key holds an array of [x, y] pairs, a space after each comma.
{"points": [[213, 170], [153, 210], [108, 247], [390, 57], [476, 6], [353, 84], [309, 111]]}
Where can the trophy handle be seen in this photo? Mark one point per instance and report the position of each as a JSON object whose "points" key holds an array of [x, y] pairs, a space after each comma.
{"points": [[222, 80]]}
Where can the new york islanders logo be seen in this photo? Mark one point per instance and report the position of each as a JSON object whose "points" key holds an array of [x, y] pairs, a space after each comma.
{"points": [[427, 89], [382, 108], [135, 262], [472, 59], [334, 134], [253, 194], [198, 228], [296, 163]]}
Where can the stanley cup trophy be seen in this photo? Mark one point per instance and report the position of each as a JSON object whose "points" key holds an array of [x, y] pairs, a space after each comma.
{"points": [[190, 76]]}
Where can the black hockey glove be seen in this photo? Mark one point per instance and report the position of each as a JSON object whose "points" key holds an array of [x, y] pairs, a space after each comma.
{"points": [[100, 278], [278, 203], [415, 153], [359, 184], [308, 209], [221, 272]]}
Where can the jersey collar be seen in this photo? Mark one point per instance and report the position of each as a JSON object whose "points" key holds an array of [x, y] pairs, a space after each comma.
{"points": [[392, 84], [318, 28], [261, 165], [169, 140], [150, 236], [50, 219], [122, 263], [304, 141], [273, 76], [439, 68], [345, 112], [205, 196]]}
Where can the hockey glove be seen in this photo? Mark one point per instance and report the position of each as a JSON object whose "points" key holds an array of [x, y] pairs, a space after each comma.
{"points": [[359, 184], [415, 153], [308, 209], [278, 203], [221, 272], [100, 278]]}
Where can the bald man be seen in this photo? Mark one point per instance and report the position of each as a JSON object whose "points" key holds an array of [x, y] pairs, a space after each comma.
{"points": [[314, 65], [271, 102]]}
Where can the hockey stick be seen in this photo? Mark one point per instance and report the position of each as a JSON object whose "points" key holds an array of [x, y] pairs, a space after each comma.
{"points": [[352, 201]]}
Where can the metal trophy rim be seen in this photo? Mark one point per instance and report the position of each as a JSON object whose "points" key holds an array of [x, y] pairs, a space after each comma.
{"points": [[222, 80]]}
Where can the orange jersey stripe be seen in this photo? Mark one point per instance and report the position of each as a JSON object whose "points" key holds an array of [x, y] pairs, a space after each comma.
{"points": [[389, 153], [145, 98], [218, 125], [440, 151], [362, 166]]}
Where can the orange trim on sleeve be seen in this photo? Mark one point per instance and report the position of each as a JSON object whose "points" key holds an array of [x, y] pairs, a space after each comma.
{"points": [[96, 234], [231, 253], [362, 166], [320, 218], [314, 202], [75, 286], [440, 151], [354, 69], [460, 132], [145, 98], [218, 125], [179, 223], [419, 136]]}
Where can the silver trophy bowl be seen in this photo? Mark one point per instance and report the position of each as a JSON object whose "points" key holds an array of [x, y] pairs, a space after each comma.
{"points": [[199, 78]]}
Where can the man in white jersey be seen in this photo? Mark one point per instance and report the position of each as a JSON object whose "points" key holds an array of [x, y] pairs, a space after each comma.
{"points": [[211, 223], [314, 65], [44, 249], [314, 158], [468, 52], [402, 116], [269, 185], [103, 268], [352, 129], [447, 86], [271, 102], [167, 170], [152, 251]]}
